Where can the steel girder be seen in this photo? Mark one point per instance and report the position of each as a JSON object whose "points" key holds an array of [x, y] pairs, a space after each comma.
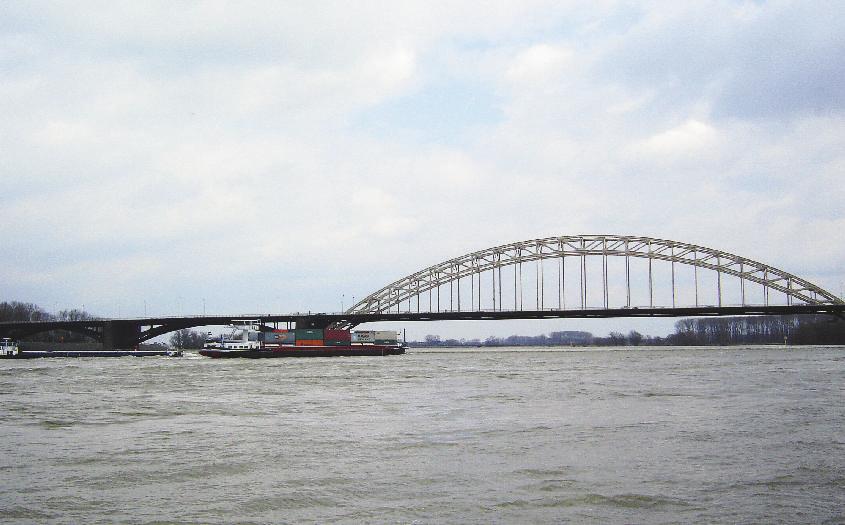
{"points": [[497, 257]]}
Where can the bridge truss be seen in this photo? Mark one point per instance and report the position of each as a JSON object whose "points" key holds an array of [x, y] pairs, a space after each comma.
{"points": [[438, 287]]}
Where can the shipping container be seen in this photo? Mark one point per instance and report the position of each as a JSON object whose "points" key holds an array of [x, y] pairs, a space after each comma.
{"points": [[309, 333], [335, 342], [309, 342], [363, 337], [337, 335], [279, 337], [386, 335]]}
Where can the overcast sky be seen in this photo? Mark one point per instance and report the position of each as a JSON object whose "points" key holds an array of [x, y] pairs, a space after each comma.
{"points": [[271, 156]]}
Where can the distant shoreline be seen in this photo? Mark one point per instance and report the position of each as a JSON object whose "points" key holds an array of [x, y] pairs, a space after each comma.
{"points": [[619, 347]]}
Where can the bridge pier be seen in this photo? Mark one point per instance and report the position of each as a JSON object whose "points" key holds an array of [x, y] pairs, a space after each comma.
{"points": [[121, 335]]}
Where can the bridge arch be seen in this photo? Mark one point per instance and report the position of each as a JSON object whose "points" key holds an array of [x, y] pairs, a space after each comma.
{"points": [[391, 297]]}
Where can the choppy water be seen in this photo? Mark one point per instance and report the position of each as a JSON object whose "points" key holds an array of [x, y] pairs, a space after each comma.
{"points": [[737, 435]]}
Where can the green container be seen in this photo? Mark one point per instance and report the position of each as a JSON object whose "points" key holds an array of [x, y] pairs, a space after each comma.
{"points": [[332, 342], [385, 341], [309, 334]]}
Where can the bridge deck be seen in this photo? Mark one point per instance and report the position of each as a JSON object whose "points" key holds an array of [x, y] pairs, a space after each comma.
{"points": [[126, 333]]}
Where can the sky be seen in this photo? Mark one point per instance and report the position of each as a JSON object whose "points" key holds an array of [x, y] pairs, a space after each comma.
{"points": [[232, 157]]}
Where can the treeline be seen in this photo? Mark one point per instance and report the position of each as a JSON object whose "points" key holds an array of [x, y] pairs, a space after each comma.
{"points": [[553, 339], [720, 331], [19, 311], [790, 329], [568, 338], [187, 339]]}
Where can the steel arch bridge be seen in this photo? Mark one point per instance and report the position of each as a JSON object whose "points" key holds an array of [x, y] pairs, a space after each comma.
{"points": [[480, 276], [424, 291]]}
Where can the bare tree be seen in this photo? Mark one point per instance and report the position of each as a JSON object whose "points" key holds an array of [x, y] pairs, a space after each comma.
{"points": [[635, 338], [186, 338]]}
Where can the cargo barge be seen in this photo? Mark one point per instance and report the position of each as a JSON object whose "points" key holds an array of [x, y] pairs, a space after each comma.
{"points": [[9, 350], [307, 351], [252, 341]]}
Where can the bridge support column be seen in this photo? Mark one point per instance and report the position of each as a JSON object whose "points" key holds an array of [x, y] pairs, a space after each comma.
{"points": [[120, 335]]}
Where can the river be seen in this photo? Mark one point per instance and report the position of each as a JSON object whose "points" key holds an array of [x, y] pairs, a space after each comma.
{"points": [[645, 435]]}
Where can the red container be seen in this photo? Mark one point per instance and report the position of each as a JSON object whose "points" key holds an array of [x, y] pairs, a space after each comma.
{"points": [[337, 335], [310, 342]]}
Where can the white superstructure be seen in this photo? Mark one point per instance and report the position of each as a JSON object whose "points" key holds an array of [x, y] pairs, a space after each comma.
{"points": [[242, 336], [8, 347]]}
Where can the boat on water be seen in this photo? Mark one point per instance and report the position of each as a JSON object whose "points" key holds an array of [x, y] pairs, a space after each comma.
{"points": [[9, 349], [252, 340]]}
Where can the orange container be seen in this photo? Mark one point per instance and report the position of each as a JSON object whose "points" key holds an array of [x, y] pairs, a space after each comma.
{"points": [[310, 342]]}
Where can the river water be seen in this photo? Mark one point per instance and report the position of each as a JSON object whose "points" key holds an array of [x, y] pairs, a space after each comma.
{"points": [[668, 435]]}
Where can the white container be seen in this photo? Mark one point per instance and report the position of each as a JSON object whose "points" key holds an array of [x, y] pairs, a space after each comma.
{"points": [[365, 336], [386, 335]]}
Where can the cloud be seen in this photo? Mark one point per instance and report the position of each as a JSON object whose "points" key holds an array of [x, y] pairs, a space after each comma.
{"points": [[741, 60], [688, 141], [538, 64]]}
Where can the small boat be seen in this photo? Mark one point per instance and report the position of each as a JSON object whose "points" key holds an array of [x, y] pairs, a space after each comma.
{"points": [[253, 340], [9, 349]]}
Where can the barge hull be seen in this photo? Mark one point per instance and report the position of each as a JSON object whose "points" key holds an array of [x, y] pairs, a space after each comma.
{"points": [[307, 351], [36, 354]]}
